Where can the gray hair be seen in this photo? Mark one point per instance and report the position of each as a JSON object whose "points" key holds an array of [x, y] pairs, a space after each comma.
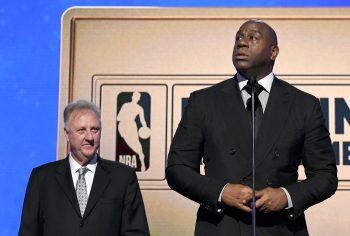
{"points": [[79, 105]]}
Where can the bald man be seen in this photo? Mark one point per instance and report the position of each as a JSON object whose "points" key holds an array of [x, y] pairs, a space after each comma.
{"points": [[216, 128]]}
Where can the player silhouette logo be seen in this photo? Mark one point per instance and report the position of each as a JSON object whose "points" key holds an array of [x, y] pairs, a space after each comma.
{"points": [[133, 132]]}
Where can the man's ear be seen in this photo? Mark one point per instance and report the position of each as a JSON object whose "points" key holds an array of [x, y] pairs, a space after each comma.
{"points": [[274, 52], [66, 134]]}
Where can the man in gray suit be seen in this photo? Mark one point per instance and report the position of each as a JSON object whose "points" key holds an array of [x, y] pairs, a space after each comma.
{"points": [[83, 194], [216, 128]]}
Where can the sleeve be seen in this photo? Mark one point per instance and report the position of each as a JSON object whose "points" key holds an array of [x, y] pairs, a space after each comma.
{"points": [[134, 221], [319, 162], [185, 155], [31, 222]]}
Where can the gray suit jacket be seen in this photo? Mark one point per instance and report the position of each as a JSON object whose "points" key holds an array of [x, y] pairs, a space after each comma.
{"points": [[215, 127]]}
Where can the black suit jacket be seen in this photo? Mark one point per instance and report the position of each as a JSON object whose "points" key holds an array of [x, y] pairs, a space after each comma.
{"points": [[115, 205], [215, 127]]}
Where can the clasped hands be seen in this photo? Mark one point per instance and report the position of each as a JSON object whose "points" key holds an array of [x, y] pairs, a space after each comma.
{"points": [[267, 200]]}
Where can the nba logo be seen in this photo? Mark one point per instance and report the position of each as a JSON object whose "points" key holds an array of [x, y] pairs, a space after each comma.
{"points": [[133, 129]]}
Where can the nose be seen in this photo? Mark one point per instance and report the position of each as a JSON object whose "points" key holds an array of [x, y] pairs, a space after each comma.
{"points": [[242, 42], [89, 136]]}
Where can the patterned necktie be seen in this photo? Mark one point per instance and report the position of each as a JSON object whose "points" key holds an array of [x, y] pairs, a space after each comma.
{"points": [[257, 105], [81, 190]]}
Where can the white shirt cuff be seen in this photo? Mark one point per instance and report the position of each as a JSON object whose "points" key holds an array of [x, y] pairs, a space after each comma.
{"points": [[220, 208], [290, 204]]}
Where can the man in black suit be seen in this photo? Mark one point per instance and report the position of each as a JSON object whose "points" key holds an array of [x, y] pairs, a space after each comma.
{"points": [[216, 128], [83, 194]]}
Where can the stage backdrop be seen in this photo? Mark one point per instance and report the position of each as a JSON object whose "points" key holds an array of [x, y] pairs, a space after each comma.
{"points": [[110, 55]]}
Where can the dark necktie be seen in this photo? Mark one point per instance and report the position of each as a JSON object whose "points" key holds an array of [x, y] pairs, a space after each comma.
{"points": [[257, 105]]}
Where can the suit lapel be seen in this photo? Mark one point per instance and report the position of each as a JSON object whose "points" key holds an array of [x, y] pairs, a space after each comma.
{"points": [[100, 182], [237, 121], [64, 179], [275, 117]]}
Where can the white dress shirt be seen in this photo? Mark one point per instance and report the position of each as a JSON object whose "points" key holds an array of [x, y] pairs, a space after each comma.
{"points": [[265, 82], [89, 176]]}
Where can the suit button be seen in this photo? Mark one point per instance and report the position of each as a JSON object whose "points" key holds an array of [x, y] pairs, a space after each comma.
{"points": [[277, 154], [232, 151], [290, 213], [81, 223]]}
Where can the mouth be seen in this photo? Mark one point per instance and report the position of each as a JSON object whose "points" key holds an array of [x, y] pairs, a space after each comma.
{"points": [[241, 56], [88, 146]]}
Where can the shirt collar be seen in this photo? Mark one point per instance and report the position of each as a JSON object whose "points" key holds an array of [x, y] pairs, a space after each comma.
{"points": [[266, 82], [74, 165]]}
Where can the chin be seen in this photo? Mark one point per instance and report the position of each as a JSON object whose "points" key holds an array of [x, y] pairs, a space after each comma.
{"points": [[89, 154], [241, 65]]}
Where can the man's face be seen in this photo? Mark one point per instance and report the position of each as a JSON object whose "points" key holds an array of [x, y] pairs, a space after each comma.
{"points": [[254, 50], [83, 133]]}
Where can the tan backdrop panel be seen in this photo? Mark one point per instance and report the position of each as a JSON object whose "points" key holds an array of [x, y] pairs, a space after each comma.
{"points": [[108, 54]]}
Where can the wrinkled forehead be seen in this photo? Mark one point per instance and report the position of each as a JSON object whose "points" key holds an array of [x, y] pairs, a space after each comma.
{"points": [[76, 114]]}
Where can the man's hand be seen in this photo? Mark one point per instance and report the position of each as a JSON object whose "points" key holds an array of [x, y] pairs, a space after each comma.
{"points": [[238, 196], [271, 200]]}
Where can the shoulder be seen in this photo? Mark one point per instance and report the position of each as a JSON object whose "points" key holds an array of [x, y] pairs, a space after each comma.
{"points": [[120, 175], [47, 172], [214, 89], [209, 99], [49, 167], [211, 93], [116, 168], [303, 104], [296, 92]]}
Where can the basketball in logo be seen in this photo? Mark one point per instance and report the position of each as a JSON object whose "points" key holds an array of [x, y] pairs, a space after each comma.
{"points": [[133, 129], [144, 132]]}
